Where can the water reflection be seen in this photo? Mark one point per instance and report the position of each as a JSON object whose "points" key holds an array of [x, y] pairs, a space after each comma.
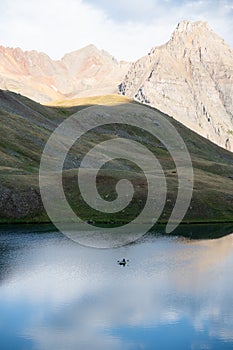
{"points": [[173, 292]]}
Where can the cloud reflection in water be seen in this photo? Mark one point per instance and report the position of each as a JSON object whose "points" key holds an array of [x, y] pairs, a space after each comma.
{"points": [[80, 298]]}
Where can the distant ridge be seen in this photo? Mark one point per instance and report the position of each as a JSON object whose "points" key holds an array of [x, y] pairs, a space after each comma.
{"points": [[85, 72]]}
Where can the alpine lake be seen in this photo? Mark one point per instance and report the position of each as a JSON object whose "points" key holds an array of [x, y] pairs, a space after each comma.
{"points": [[174, 292]]}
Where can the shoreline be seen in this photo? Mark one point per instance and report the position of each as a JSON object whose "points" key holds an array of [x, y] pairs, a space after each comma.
{"points": [[190, 230], [118, 223]]}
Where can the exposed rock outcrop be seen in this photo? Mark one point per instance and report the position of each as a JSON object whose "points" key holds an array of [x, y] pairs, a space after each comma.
{"points": [[189, 78]]}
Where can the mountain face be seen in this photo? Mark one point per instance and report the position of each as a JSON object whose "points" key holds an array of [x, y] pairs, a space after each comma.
{"points": [[189, 78], [25, 127], [85, 72]]}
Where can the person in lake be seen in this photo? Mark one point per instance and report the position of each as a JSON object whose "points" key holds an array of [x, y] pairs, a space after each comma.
{"points": [[122, 262]]}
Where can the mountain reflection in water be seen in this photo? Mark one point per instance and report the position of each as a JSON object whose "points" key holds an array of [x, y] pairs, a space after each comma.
{"points": [[174, 293]]}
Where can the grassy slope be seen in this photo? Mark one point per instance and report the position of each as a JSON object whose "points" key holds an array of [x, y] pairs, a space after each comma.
{"points": [[94, 100], [24, 128]]}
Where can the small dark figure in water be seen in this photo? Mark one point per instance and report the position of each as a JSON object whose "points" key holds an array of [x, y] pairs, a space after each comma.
{"points": [[123, 262]]}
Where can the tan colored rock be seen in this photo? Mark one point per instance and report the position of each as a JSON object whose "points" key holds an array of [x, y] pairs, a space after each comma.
{"points": [[191, 79], [85, 72]]}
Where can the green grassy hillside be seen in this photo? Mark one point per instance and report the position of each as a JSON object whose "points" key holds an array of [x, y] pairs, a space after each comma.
{"points": [[25, 127]]}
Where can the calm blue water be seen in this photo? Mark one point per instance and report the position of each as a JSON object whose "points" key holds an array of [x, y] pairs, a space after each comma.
{"points": [[173, 294]]}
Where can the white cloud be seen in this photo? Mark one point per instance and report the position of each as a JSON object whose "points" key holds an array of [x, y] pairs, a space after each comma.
{"points": [[126, 28]]}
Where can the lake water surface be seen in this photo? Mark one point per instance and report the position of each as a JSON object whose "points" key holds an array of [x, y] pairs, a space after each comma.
{"points": [[57, 295]]}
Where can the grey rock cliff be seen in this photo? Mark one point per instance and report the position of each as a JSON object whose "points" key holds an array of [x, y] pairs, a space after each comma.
{"points": [[189, 78]]}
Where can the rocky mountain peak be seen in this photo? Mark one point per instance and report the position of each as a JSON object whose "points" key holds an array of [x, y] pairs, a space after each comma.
{"points": [[84, 72], [193, 36], [188, 26], [84, 51], [189, 78]]}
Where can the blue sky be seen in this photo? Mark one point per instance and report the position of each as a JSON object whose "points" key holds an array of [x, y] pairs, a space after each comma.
{"points": [[128, 29]]}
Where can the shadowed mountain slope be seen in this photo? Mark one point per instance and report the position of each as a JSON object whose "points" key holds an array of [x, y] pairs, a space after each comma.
{"points": [[25, 126]]}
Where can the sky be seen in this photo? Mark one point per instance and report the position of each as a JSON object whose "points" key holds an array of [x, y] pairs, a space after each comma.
{"points": [[127, 29]]}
